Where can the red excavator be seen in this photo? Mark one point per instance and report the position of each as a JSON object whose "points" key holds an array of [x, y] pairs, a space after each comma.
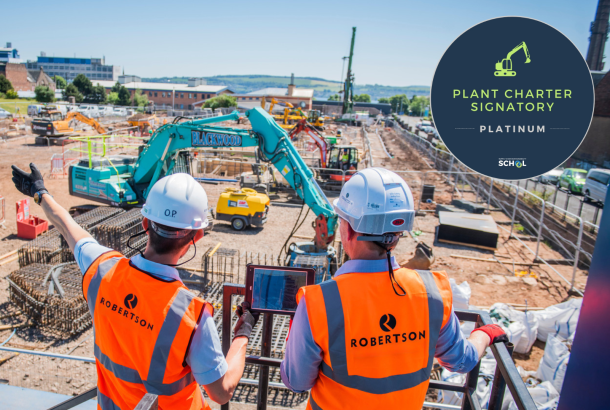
{"points": [[333, 158]]}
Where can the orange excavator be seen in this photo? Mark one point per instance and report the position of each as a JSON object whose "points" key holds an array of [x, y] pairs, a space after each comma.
{"points": [[54, 127]]}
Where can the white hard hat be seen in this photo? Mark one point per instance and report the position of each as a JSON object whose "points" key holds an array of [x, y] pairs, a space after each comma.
{"points": [[178, 201], [376, 201]]}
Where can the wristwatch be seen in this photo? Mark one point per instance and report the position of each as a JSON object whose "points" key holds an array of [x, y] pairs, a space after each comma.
{"points": [[38, 196]]}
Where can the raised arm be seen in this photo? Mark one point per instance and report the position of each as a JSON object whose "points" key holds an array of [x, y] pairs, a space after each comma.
{"points": [[32, 184]]}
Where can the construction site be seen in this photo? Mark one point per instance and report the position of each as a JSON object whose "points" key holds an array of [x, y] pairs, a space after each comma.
{"points": [[524, 266], [514, 255]]}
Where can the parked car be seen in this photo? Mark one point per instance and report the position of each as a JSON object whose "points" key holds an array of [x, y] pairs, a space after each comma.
{"points": [[90, 111], [572, 179], [422, 124], [5, 114], [596, 185], [121, 112], [550, 177]]}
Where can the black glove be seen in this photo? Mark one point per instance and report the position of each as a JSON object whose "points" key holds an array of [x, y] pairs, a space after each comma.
{"points": [[246, 322], [28, 184]]}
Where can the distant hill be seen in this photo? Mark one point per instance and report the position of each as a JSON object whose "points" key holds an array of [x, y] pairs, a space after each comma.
{"points": [[242, 84]]}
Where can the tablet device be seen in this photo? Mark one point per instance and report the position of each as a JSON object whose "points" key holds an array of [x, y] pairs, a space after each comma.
{"points": [[273, 289]]}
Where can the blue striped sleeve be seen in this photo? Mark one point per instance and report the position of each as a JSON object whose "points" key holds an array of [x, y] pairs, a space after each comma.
{"points": [[299, 369], [453, 351], [86, 251], [205, 357]]}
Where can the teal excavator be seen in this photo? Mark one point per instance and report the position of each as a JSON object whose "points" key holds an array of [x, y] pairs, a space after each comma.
{"points": [[124, 180], [504, 68]]}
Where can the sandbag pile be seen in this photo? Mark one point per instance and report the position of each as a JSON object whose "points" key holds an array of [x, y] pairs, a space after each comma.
{"points": [[555, 325]]}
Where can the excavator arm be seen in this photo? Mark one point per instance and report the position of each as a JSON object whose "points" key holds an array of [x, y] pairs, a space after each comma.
{"points": [[519, 47], [75, 115], [159, 156], [312, 132]]}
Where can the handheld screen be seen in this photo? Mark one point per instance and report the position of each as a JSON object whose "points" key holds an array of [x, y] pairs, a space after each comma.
{"points": [[274, 289]]}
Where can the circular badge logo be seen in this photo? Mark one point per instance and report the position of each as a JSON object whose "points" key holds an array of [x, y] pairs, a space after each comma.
{"points": [[512, 98], [130, 301], [387, 322]]}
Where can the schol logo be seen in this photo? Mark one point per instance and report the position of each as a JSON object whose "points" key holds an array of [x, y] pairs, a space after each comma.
{"points": [[387, 322], [131, 301]]}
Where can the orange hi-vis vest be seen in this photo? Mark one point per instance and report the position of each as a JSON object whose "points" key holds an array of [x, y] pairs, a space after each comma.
{"points": [[143, 328], [378, 347]]}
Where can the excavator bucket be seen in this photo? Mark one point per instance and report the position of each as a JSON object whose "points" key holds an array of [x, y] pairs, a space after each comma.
{"points": [[423, 258]]}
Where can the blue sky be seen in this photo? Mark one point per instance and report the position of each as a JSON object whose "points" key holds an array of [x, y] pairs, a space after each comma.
{"points": [[397, 43]]}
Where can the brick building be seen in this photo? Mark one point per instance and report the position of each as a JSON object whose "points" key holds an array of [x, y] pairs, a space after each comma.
{"points": [[39, 77], [595, 149], [17, 74], [181, 96]]}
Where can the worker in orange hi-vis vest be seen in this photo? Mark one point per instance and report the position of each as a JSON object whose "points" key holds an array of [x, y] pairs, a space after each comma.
{"points": [[367, 338], [152, 335]]}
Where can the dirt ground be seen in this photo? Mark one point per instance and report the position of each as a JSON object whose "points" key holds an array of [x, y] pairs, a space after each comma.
{"points": [[490, 282]]}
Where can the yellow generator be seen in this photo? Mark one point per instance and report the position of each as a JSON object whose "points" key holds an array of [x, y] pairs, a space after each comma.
{"points": [[242, 208]]}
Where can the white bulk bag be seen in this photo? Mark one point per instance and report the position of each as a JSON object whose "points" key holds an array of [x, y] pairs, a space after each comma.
{"points": [[554, 363], [461, 294], [559, 320]]}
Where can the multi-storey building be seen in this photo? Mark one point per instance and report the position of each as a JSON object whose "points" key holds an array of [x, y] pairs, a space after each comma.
{"points": [[70, 67], [9, 54]]}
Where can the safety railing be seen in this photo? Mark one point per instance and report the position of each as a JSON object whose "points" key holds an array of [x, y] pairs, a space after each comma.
{"points": [[458, 183], [506, 375], [535, 212]]}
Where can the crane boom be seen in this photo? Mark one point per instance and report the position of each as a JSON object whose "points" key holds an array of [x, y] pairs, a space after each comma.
{"points": [[348, 87], [127, 184]]}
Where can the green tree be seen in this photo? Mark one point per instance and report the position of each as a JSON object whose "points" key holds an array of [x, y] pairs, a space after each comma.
{"points": [[12, 94], [83, 84], [383, 100], [44, 94], [97, 95], [72, 91], [60, 82], [113, 98], [139, 99], [418, 105], [362, 98], [399, 102], [124, 96], [221, 101], [116, 88], [5, 84], [334, 97]]}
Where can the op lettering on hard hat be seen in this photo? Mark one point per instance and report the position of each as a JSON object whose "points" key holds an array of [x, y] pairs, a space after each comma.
{"points": [[177, 191]]}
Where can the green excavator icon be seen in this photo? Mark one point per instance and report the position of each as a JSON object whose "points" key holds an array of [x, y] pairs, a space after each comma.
{"points": [[504, 68]]}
